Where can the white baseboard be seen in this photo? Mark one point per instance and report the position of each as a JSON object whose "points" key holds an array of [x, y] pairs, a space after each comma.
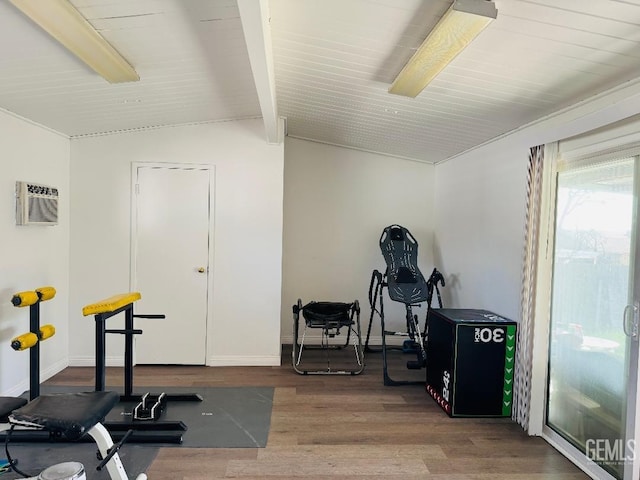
{"points": [[373, 341], [45, 374], [17, 390], [54, 369], [213, 361], [243, 361]]}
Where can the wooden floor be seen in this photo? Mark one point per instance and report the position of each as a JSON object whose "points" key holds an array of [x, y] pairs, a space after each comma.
{"points": [[346, 426]]}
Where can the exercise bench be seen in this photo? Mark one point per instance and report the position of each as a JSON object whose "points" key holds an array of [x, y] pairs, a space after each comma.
{"points": [[74, 416], [149, 407]]}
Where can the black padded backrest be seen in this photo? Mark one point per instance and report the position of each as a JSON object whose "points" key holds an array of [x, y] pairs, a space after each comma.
{"points": [[70, 414], [327, 314], [400, 251]]}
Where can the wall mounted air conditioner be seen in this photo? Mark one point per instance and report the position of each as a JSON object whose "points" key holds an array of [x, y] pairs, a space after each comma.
{"points": [[36, 204]]}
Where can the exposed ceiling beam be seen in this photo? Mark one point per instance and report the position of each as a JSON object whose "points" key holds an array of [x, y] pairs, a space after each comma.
{"points": [[257, 34]]}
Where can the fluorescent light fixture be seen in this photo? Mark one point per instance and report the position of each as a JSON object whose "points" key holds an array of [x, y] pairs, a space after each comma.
{"points": [[457, 28], [62, 21]]}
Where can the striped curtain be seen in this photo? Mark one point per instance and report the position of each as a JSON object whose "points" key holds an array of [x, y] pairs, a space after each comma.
{"points": [[524, 348]]}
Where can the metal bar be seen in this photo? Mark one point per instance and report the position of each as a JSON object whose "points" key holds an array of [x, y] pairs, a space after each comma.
{"points": [[100, 352], [34, 352], [128, 351]]}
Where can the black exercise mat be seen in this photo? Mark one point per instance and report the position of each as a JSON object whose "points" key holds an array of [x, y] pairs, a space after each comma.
{"points": [[228, 417], [33, 458]]}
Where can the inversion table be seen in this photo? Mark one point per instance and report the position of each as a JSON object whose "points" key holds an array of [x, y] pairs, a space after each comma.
{"points": [[405, 284]]}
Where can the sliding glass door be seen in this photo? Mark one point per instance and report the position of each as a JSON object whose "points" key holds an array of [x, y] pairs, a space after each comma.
{"points": [[593, 348]]}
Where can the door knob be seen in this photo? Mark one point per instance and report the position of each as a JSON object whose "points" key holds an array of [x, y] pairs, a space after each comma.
{"points": [[201, 270]]}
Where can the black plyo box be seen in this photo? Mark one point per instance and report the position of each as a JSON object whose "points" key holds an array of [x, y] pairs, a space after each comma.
{"points": [[470, 362]]}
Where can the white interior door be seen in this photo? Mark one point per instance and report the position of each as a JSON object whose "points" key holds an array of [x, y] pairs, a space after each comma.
{"points": [[171, 262]]}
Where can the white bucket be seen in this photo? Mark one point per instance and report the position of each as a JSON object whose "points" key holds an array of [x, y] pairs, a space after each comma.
{"points": [[64, 471]]}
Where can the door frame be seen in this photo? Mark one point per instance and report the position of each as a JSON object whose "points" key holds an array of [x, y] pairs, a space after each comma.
{"points": [[540, 370], [133, 238]]}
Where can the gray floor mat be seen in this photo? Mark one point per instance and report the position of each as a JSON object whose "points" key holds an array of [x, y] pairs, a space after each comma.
{"points": [[228, 417]]}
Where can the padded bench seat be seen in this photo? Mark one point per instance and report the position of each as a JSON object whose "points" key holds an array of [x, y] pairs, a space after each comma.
{"points": [[69, 414], [111, 304]]}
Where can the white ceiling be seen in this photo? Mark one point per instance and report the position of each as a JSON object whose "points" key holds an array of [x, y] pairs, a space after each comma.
{"points": [[331, 62]]}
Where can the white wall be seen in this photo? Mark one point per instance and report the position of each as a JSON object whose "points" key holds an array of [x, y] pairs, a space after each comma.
{"points": [[244, 324], [480, 207], [480, 204], [30, 256], [337, 201]]}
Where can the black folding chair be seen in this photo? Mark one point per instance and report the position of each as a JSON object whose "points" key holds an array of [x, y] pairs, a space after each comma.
{"points": [[330, 318]]}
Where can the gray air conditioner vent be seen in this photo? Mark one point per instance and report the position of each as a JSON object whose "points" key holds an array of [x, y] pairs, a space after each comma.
{"points": [[36, 204]]}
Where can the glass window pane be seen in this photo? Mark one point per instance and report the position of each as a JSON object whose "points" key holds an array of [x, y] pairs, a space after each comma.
{"points": [[591, 287]]}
